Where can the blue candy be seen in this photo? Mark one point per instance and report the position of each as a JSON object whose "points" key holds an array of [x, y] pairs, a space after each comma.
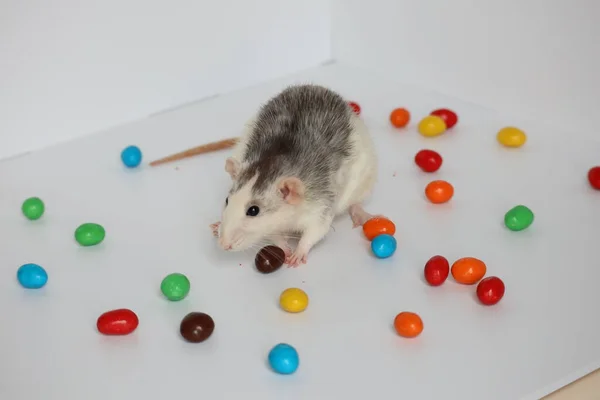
{"points": [[383, 245], [32, 276], [283, 358], [131, 156]]}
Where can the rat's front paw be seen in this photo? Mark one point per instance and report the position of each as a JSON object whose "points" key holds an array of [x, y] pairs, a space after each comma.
{"points": [[215, 228], [296, 258]]}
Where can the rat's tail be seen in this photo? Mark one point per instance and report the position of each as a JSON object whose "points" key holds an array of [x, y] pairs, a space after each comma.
{"points": [[205, 148]]}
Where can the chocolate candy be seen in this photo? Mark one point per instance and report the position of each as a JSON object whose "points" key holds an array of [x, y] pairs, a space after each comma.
{"points": [[269, 259], [196, 327]]}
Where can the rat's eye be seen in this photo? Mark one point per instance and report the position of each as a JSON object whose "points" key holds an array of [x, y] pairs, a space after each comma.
{"points": [[226, 200], [253, 211]]}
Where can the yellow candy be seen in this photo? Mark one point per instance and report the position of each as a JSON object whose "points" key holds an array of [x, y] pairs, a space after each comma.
{"points": [[432, 125], [511, 137], [293, 300]]}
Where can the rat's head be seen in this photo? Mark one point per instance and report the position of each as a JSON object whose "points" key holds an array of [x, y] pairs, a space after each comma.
{"points": [[250, 215]]}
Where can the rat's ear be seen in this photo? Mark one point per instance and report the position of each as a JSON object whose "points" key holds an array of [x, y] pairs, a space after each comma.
{"points": [[232, 166], [292, 190]]}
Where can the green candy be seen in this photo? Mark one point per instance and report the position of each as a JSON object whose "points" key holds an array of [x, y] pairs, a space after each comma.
{"points": [[518, 218], [89, 234], [175, 286], [33, 208]]}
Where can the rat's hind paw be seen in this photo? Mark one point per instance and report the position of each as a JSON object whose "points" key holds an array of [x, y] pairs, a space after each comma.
{"points": [[215, 228]]}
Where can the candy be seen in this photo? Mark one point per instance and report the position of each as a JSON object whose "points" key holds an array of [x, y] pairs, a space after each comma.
{"points": [[490, 290], [468, 270], [449, 117], [428, 160], [89, 234], [408, 324], [432, 125], [196, 327], [400, 117], [33, 208], [293, 300], [131, 156], [439, 191], [284, 359], [355, 107], [511, 137], [594, 177], [378, 225], [117, 322], [32, 276], [436, 270], [518, 218], [383, 246], [175, 286], [269, 259]]}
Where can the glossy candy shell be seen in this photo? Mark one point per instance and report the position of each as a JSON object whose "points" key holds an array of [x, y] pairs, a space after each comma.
{"points": [[284, 359], [400, 117], [490, 290], [89, 234], [511, 137], [377, 226], [428, 160], [518, 218], [448, 116], [468, 270], [33, 208], [408, 324], [383, 246], [436, 270], [131, 156], [439, 191], [355, 107], [432, 125], [117, 322], [293, 300], [594, 177], [175, 286], [32, 276]]}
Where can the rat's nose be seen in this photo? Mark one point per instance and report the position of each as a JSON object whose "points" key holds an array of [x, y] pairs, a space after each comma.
{"points": [[225, 244]]}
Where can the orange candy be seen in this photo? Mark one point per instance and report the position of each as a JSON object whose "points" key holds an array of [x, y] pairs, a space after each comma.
{"points": [[439, 191], [408, 324], [400, 117], [377, 226], [468, 270]]}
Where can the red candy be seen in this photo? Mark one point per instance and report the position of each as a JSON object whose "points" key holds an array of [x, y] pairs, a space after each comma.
{"points": [[437, 270], [594, 177], [448, 116], [355, 107], [428, 160], [490, 290], [117, 322]]}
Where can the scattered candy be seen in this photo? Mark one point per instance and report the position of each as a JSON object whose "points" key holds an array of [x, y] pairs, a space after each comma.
{"points": [[408, 324], [428, 160], [383, 246], [518, 218], [439, 191], [131, 156], [468, 270], [196, 327], [432, 125], [269, 259], [33, 208], [377, 226], [400, 117], [448, 116], [511, 137], [293, 300], [490, 290], [32, 276], [175, 286], [284, 359], [594, 177], [117, 322], [355, 107], [436, 270], [89, 234]]}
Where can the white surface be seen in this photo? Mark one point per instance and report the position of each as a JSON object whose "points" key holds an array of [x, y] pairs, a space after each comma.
{"points": [[69, 68], [534, 58], [541, 336]]}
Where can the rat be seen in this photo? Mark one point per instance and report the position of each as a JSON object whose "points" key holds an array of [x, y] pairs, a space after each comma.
{"points": [[302, 160]]}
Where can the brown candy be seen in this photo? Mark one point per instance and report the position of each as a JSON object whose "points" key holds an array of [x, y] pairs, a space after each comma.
{"points": [[196, 327], [269, 259]]}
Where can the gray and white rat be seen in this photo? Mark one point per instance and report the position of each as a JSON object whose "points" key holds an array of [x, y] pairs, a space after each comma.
{"points": [[304, 159]]}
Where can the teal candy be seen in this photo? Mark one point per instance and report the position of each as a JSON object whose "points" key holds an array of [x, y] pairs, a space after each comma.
{"points": [[383, 246]]}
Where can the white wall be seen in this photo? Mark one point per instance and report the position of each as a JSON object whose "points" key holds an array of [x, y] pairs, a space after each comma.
{"points": [[534, 58], [71, 67]]}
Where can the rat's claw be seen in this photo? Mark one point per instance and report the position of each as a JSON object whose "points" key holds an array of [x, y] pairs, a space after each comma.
{"points": [[215, 228], [296, 259]]}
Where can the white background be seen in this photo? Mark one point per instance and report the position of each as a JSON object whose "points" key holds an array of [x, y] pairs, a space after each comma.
{"points": [[71, 67]]}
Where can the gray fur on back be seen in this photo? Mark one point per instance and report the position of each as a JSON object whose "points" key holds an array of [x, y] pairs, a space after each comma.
{"points": [[303, 132]]}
